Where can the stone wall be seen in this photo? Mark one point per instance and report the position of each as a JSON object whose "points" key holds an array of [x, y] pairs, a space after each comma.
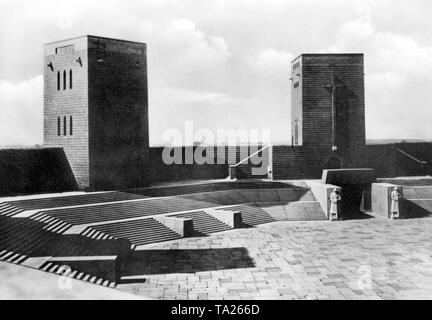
{"points": [[315, 76], [29, 171], [118, 114], [67, 102], [308, 163], [159, 171], [388, 161]]}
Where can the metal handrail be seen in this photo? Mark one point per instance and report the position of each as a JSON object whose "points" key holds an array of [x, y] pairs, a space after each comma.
{"points": [[410, 156], [255, 153]]}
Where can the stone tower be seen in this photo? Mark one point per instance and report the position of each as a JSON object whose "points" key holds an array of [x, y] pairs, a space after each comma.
{"points": [[96, 109], [328, 109], [327, 117]]}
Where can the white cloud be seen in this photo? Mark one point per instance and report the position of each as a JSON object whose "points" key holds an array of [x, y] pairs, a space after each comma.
{"points": [[226, 63], [398, 70], [21, 110], [213, 111], [396, 52], [272, 60], [184, 55]]}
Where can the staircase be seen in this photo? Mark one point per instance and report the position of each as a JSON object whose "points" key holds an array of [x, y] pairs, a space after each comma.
{"points": [[19, 238], [52, 224], [8, 210], [59, 269], [138, 232], [252, 215], [204, 223]]}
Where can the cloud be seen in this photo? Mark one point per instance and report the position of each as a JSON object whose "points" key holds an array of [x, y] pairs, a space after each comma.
{"points": [[184, 55], [398, 70], [272, 60], [21, 110], [396, 52], [226, 63], [213, 111]]}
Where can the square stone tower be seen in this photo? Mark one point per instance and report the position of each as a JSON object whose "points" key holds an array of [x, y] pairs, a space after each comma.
{"points": [[328, 107], [327, 117], [96, 109]]}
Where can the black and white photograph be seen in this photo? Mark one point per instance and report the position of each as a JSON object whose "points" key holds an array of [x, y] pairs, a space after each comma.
{"points": [[223, 150]]}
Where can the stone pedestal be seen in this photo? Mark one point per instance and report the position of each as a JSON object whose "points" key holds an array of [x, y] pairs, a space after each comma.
{"points": [[381, 199], [322, 193]]}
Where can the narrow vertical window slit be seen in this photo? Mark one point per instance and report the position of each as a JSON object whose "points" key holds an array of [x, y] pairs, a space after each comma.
{"points": [[70, 79]]}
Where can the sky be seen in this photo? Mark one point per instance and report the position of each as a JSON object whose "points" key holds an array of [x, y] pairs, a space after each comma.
{"points": [[226, 64]]}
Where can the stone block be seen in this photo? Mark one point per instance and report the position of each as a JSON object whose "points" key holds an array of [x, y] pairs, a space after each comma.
{"points": [[182, 226], [231, 218], [322, 193], [348, 176], [381, 198]]}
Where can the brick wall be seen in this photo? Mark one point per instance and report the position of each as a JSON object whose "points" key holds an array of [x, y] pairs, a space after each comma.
{"points": [[31, 171], [297, 102], [317, 103], [118, 114], [304, 163], [160, 171], [389, 162], [312, 108], [108, 148], [68, 102]]}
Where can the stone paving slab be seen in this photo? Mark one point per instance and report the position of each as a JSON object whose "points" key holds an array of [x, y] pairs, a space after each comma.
{"points": [[354, 259]]}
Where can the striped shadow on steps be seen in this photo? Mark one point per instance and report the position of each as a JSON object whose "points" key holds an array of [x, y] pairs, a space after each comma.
{"points": [[138, 232], [59, 269], [203, 223]]}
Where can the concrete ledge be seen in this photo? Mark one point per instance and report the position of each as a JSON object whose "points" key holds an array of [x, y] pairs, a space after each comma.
{"points": [[322, 193], [106, 267], [381, 198], [182, 226], [231, 218]]}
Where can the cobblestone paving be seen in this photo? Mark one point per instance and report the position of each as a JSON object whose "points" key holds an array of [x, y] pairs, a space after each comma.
{"points": [[356, 259]]}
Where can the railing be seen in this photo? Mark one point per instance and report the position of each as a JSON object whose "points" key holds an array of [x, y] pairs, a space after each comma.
{"points": [[411, 157], [249, 157], [235, 171]]}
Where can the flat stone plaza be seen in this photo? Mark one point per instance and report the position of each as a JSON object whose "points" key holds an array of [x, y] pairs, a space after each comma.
{"points": [[178, 157], [371, 258], [222, 240]]}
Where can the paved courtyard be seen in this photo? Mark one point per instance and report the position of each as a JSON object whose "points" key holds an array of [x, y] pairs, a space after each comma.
{"points": [[355, 259]]}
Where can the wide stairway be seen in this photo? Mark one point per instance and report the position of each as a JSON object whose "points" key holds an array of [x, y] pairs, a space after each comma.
{"points": [[203, 223], [36, 232], [138, 232]]}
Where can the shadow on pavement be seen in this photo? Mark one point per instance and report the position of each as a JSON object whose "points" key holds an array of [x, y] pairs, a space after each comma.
{"points": [[412, 210], [145, 262]]}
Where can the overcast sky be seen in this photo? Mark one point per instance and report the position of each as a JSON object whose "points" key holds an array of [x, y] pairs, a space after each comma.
{"points": [[225, 64]]}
